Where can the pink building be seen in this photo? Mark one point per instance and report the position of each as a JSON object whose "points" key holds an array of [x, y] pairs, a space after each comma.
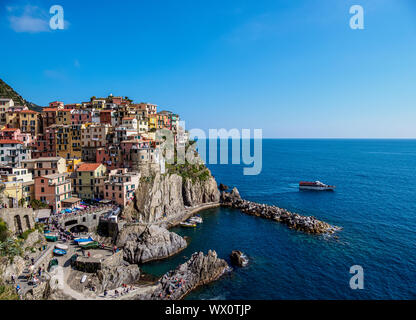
{"points": [[16, 134], [79, 116], [54, 190], [120, 186], [110, 157]]}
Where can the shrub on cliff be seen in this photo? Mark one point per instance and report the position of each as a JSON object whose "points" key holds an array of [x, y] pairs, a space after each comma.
{"points": [[10, 248], [4, 231]]}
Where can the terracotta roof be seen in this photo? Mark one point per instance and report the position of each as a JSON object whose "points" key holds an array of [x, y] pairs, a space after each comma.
{"points": [[9, 129], [9, 141], [28, 111], [88, 166], [49, 109], [128, 118]]}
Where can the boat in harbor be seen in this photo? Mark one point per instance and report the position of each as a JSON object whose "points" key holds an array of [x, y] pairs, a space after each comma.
{"points": [[90, 245], [59, 252], [315, 186], [195, 219], [61, 246], [187, 224], [83, 240], [51, 237]]}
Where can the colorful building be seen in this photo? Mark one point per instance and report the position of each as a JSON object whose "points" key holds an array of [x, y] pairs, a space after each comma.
{"points": [[12, 152], [120, 186], [45, 166], [87, 180], [53, 189]]}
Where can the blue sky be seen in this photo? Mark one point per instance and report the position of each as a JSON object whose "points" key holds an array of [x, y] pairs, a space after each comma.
{"points": [[292, 68]]}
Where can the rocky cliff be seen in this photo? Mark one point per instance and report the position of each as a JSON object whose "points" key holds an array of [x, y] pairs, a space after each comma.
{"points": [[200, 269], [164, 196], [142, 244]]}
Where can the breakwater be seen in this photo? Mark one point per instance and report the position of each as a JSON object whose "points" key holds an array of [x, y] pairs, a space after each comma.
{"points": [[295, 221]]}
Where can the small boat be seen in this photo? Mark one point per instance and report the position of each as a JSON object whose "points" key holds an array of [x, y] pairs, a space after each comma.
{"points": [[195, 219], [90, 245], [51, 237], [59, 252], [61, 246], [80, 240], [188, 224], [315, 186]]}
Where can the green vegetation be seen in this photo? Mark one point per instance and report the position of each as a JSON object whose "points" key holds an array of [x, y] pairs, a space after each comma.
{"points": [[7, 292], [25, 234], [37, 204], [4, 231], [189, 171], [10, 248]]}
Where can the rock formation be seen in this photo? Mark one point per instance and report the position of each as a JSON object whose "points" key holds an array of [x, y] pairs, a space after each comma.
{"points": [[296, 221], [112, 277], [142, 244], [200, 269], [238, 258], [165, 196]]}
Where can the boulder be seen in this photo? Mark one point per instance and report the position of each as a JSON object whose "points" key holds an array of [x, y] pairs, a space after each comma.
{"points": [[238, 258], [153, 243], [223, 187]]}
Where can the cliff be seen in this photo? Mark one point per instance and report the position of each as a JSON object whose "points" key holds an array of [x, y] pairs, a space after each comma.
{"points": [[165, 196]]}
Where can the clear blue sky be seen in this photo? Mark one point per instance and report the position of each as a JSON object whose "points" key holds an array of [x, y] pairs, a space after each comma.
{"points": [[293, 68]]}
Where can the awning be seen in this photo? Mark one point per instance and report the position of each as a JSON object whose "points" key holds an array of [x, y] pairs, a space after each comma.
{"points": [[72, 200], [42, 213]]}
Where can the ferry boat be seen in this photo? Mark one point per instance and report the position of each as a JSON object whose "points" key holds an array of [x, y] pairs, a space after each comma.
{"points": [[317, 185]]}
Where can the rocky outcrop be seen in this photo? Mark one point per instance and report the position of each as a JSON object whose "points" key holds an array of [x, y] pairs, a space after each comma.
{"points": [[142, 244], [9, 268], [164, 196], [198, 192], [200, 269], [223, 187], [296, 221], [238, 258], [112, 277]]}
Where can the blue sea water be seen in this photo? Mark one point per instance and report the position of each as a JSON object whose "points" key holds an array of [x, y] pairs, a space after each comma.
{"points": [[374, 203]]}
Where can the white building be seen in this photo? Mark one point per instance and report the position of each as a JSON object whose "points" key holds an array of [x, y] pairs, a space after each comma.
{"points": [[12, 152]]}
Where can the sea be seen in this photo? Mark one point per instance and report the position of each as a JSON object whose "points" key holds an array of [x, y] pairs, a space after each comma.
{"points": [[374, 203]]}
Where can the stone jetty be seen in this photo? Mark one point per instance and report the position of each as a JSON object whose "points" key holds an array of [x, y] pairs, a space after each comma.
{"points": [[295, 221]]}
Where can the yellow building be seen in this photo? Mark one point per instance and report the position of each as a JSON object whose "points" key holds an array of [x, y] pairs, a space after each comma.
{"points": [[12, 119], [72, 164], [68, 141], [152, 121], [28, 122], [18, 185], [88, 179], [63, 116]]}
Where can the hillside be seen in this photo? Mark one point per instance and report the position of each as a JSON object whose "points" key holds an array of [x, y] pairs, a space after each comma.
{"points": [[7, 92]]}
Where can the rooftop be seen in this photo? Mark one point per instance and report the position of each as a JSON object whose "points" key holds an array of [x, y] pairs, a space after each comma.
{"points": [[88, 167], [10, 141]]}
